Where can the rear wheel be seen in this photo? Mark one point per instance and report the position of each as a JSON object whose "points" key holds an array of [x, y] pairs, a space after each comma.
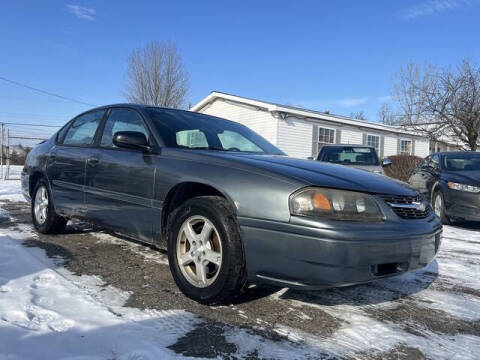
{"points": [[205, 251], [439, 207], [44, 218]]}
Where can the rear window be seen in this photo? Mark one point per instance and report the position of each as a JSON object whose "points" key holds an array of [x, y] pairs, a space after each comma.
{"points": [[349, 155], [83, 129]]}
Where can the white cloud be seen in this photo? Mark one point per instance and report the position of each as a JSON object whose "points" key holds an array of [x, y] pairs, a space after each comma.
{"points": [[81, 12], [350, 102], [384, 98], [431, 7]]}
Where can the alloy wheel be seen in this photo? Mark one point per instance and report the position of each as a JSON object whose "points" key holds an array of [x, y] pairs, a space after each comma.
{"points": [[199, 251], [41, 205], [438, 205]]}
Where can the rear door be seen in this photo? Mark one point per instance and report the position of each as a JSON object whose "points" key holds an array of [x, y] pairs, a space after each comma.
{"points": [[120, 182], [66, 163]]}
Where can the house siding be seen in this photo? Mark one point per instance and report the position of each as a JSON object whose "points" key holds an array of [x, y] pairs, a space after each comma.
{"points": [[295, 137], [352, 136], [422, 147], [262, 122], [295, 134], [390, 145]]}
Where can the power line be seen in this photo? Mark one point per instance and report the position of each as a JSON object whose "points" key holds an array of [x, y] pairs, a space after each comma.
{"points": [[41, 125], [45, 92]]}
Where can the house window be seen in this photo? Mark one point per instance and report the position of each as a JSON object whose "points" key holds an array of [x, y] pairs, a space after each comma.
{"points": [[374, 140], [406, 147], [325, 136]]}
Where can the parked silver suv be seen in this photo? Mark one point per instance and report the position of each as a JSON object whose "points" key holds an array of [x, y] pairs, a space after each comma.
{"points": [[358, 156]]}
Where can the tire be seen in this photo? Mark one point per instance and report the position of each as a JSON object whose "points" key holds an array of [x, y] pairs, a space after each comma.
{"points": [[222, 283], [49, 222], [439, 201]]}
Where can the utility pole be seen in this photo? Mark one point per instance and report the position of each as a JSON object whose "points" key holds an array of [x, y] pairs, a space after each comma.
{"points": [[8, 155], [1, 151]]}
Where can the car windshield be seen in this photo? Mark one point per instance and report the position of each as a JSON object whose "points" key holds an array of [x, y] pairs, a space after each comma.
{"points": [[184, 129], [461, 162], [350, 155]]}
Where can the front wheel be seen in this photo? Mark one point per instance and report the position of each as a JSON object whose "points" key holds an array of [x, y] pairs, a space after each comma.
{"points": [[439, 207], [44, 218], [205, 251]]}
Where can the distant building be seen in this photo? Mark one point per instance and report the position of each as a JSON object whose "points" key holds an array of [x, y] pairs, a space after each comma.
{"points": [[301, 132]]}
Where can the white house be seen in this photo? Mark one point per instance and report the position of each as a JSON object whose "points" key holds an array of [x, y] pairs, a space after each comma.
{"points": [[301, 132]]}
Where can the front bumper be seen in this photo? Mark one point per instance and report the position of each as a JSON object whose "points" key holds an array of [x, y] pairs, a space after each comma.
{"points": [[300, 256], [462, 205]]}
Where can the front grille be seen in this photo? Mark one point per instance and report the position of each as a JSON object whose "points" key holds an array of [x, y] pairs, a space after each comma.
{"points": [[407, 207]]}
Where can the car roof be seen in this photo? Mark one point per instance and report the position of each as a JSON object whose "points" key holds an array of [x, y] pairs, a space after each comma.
{"points": [[143, 107], [133, 106], [351, 145], [456, 152]]}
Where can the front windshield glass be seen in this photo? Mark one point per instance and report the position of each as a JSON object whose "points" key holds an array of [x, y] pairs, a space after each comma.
{"points": [[184, 129], [350, 155], [461, 162]]}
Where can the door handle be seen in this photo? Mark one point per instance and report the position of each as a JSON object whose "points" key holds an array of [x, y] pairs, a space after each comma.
{"points": [[93, 161]]}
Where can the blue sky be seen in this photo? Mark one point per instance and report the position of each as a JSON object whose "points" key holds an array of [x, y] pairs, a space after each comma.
{"points": [[336, 55]]}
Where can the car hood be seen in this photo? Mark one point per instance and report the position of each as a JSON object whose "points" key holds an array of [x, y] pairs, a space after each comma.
{"points": [[372, 168], [310, 172], [463, 177]]}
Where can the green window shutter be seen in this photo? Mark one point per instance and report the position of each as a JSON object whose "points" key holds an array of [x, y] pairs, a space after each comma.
{"points": [[364, 141], [314, 141], [338, 136], [413, 147], [398, 146], [382, 146]]}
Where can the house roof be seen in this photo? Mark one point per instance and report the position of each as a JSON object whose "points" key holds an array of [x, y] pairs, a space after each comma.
{"points": [[299, 112]]}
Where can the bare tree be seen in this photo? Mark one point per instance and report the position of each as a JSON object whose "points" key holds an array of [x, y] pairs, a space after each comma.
{"points": [[441, 101], [359, 115], [387, 116], [157, 76]]}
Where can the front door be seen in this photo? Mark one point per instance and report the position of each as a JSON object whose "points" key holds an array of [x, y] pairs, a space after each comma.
{"points": [[120, 182], [66, 163]]}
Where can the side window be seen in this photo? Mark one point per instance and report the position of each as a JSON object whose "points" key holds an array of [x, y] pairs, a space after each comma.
{"points": [[435, 163], [82, 131], [62, 132], [122, 120]]}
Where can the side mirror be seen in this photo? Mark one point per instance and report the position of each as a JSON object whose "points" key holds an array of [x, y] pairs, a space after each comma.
{"points": [[131, 140], [386, 162]]}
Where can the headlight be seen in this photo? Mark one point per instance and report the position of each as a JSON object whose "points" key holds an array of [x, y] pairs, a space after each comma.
{"points": [[335, 204], [463, 187]]}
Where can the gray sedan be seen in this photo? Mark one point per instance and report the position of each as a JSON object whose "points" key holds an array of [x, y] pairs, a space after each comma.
{"points": [[229, 206]]}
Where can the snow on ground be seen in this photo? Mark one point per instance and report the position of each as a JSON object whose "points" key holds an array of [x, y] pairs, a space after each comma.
{"points": [[50, 314], [47, 312], [10, 190]]}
